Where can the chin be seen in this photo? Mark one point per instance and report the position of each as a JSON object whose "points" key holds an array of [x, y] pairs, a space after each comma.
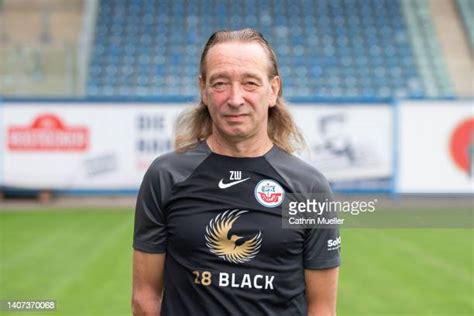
{"points": [[237, 134]]}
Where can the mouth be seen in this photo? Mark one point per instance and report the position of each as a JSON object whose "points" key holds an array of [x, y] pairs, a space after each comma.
{"points": [[235, 115], [235, 118]]}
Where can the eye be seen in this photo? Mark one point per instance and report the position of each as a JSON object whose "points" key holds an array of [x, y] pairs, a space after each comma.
{"points": [[250, 83], [218, 84]]}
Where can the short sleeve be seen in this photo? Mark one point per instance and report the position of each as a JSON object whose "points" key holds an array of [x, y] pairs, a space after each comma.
{"points": [[321, 248], [150, 222]]}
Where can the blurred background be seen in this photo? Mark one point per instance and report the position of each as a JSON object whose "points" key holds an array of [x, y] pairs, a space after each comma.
{"points": [[90, 91]]}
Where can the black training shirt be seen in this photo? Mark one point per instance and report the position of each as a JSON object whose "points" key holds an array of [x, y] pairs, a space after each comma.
{"points": [[219, 221]]}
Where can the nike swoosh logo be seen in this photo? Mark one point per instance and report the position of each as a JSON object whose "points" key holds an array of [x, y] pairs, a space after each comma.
{"points": [[223, 185]]}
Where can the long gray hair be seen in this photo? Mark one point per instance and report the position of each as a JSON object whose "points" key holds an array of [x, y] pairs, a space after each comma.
{"points": [[195, 125]]}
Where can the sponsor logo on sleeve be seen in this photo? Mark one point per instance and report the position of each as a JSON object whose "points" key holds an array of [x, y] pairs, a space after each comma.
{"points": [[334, 244]]}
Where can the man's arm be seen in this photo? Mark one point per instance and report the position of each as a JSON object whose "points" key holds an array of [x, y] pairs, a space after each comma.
{"points": [[321, 291], [147, 288]]}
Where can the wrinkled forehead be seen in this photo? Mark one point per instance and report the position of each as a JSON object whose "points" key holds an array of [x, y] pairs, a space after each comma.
{"points": [[237, 55]]}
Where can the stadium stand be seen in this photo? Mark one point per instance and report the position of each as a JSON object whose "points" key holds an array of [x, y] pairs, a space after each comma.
{"points": [[454, 46], [327, 48], [38, 47], [466, 11], [426, 49]]}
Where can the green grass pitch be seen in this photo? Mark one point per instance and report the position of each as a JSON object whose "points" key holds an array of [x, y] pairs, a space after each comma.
{"points": [[82, 259]]}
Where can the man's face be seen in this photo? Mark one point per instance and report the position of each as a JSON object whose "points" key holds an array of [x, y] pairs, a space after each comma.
{"points": [[237, 90]]}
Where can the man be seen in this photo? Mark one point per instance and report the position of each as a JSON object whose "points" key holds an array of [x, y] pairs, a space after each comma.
{"points": [[208, 226]]}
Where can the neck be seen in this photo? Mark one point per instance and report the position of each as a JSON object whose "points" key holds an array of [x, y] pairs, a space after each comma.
{"points": [[240, 148]]}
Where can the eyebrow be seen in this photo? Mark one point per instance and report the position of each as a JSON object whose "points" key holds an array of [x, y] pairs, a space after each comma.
{"points": [[225, 74]]}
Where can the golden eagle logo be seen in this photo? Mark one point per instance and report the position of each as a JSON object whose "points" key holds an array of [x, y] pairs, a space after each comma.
{"points": [[230, 249]]}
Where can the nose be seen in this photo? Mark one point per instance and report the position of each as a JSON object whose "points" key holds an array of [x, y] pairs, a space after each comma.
{"points": [[236, 98]]}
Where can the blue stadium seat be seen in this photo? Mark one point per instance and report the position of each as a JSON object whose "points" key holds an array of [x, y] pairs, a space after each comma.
{"points": [[335, 48]]}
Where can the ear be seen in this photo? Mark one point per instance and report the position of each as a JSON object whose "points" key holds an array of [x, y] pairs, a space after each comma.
{"points": [[275, 85], [202, 88]]}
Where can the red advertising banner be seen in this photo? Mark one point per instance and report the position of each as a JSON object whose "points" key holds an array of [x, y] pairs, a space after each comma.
{"points": [[48, 133]]}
